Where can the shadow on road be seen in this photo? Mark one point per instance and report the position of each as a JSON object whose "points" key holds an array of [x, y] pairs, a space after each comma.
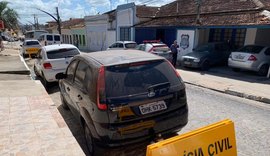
{"points": [[226, 72], [77, 131]]}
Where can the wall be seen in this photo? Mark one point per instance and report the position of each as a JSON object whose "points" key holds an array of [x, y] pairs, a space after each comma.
{"points": [[250, 36], [96, 36], [80, 31], [144, 34], [124, 18], [111, 36], [201, 37], [263, 37]]}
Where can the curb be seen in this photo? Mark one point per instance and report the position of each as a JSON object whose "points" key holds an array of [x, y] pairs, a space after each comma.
{"points": [[235, 93], [22, 72]]}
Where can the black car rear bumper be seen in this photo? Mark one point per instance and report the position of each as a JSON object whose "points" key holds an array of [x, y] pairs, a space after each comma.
{"points": [[120, 135]]}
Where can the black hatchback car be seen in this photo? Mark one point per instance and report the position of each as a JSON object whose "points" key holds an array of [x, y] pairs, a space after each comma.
{"points": [[124, 96]]}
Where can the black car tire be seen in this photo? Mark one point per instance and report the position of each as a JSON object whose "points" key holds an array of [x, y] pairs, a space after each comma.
{"points": [[89, 140], [205, 65], [236, 69], [263, 70], [63, 101]]}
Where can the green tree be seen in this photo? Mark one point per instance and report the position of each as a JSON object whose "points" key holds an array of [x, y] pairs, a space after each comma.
{"points": [[8, 15]]}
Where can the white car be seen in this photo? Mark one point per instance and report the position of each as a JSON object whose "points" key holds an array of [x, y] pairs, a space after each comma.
{"points": [[157, 48], [123, 45], [53, 59]]}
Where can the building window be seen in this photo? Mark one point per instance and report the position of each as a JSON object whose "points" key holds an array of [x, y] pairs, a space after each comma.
{"points": [[235, 36], [80, 38], [70, 39], [125, 34], [83, 37]]}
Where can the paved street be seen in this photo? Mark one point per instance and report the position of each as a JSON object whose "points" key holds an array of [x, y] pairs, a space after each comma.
{"points": [[206, 107], [251, 120]]}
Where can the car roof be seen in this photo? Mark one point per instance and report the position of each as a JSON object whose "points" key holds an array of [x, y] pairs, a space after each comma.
{"points": [[125, 42], [115, 57], [29, 40], [58, 46]]}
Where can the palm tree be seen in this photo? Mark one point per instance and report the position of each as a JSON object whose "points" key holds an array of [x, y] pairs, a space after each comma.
{"points": [[8, 15]]}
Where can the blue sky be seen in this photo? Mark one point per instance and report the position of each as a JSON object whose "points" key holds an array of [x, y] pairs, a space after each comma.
{"points": [[69, 8]]}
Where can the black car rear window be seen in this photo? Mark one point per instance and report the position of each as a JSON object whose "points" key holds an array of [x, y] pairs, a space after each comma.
{"points": [[132, 79], [32, 43], [130, 45], [62, 53], [251, 49]]}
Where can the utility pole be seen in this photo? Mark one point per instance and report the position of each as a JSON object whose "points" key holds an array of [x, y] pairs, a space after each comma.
{"points": [[35, 24], [57, 19]]}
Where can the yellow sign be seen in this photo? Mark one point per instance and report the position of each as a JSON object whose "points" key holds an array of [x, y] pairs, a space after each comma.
{"points": [[214, 140]]}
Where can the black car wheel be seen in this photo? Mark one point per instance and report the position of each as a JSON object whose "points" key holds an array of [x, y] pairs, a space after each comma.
{"points": [[205, 65], [63, 101], [263, 70], [89, 139]]}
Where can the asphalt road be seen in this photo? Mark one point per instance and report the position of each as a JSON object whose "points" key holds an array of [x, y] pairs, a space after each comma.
{"points": [[251, 120], [206, 107]]}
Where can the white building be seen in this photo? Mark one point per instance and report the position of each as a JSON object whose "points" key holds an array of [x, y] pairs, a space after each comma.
{"points": [[100, 30]]}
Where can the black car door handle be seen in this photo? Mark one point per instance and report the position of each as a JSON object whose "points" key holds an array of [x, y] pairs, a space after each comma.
{"points": [[80, 97], [68, 89]]}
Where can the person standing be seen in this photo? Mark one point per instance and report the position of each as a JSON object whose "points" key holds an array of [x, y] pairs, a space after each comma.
{"points": [[174, 50]]}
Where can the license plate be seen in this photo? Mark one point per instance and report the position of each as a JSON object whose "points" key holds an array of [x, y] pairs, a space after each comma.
{"points": [[152, 107], [188, 63], [32, 49]]}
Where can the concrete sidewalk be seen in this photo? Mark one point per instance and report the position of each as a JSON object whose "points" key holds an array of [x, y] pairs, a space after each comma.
{"points": [[30, 123], [222, 79], [12, 63]]}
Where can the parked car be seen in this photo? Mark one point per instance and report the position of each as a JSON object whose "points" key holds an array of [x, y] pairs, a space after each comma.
{"points": [[251, 57], [123, 97], [49, 39], [53, 59], [123, 45], [30, 47], [157, 48], [204, 56]]}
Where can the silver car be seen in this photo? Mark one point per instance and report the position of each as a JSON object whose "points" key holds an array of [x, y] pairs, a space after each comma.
{"points": [[120, 45], [251, 57]]}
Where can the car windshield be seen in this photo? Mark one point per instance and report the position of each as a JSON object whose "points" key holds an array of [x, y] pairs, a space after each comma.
{"points": [[203, 48], [32, 43], [136, 78], [56, 38], [62, 53], [130, 45], [251, 49], [49, 37]]}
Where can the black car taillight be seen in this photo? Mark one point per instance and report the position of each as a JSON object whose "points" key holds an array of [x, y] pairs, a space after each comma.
{"points": [[101, 94], [176, 73]]}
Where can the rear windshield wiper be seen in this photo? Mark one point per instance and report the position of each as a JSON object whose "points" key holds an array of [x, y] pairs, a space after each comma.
{"points": [[159, 86]]}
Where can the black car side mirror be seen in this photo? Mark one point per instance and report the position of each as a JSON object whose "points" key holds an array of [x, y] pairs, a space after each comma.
{"points": [[60, 76]]}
